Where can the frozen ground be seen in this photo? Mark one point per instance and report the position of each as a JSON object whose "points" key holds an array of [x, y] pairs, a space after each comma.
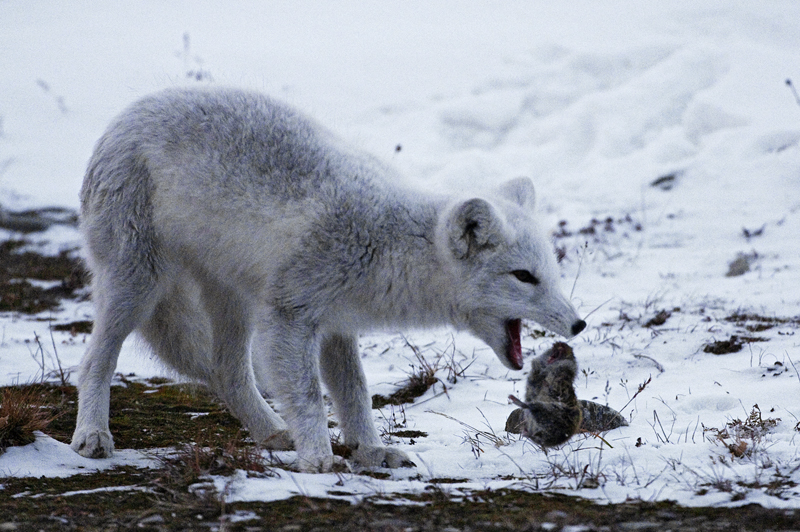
{"points": [[595, 103]]}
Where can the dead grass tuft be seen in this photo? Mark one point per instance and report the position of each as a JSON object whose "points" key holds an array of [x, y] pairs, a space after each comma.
{"points": [[195, 461], [21, 414], [742, 438], [420, 379]]}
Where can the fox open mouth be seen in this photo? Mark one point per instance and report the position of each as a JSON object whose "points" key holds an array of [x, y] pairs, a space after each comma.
{"points": [[514, 345]]}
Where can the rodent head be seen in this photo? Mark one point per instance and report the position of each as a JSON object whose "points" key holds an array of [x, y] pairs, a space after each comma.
{"points": [[560, 352]]}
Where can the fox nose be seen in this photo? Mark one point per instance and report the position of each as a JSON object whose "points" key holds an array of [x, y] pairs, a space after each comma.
{"points": [[578, 326]]}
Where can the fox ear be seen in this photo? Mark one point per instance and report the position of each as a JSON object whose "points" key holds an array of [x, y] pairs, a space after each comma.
{"points": [[473, 227], [520, 191]]}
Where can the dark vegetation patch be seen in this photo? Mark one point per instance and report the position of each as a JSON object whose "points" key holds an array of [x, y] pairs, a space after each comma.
{"points": [[37, 220], [665, 182], [414, 387], [408, 434], [732, 345], [759, 327], [419, 381], [741, 264], [762, 322], [752, 233], [75, 327], [776, 369], [150, 505], [143, 415], [195, 461], [448, 480], [659, 319], [19, 266], [597, 230], [751, 323], [340, 449], [597, 226]]}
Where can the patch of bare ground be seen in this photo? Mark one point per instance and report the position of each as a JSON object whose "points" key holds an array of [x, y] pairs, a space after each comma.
{"points": [[758, 323], [20, 266], [750, 324], [54, 504], [732, 345]]}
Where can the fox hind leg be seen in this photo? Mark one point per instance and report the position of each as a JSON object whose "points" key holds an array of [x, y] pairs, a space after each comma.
{"points": [[179, 331], [231, 377], [120, 307]]}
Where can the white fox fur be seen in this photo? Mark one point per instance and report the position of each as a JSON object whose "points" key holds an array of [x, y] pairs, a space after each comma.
{"points": [[249, 247]]}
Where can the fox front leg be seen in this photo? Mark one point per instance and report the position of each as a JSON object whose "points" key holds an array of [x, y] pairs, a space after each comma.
{"points": [[345, 380], [291, 359]]}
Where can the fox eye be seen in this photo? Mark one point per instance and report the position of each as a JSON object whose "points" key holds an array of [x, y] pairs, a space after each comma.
{"points": [[524, 276]]}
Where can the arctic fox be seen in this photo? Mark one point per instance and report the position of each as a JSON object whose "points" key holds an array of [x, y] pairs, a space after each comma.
{"points": [[249, 247]]}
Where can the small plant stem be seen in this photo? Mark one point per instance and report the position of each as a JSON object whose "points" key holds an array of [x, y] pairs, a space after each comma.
{"points": [[794, 91], [578, 273]]}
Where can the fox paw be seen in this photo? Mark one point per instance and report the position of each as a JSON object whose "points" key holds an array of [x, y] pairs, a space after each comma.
{"points": [[323, 464], [279, 441], [93, 443], [380, 456]]}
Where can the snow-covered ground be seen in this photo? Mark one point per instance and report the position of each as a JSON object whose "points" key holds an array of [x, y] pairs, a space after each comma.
{"points": [[595, 102]]}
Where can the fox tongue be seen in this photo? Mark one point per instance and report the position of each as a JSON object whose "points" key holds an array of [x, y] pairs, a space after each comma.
{"points": [[514, 348]]}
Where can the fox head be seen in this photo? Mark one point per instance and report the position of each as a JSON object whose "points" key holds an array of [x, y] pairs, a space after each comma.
{"points": [[505, 270]]}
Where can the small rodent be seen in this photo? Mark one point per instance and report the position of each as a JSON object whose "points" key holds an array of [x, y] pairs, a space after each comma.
{"points": [[551, 413]]}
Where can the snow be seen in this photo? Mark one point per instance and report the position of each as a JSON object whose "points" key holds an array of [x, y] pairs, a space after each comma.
{"points": [[594, 102], [47, 457]]}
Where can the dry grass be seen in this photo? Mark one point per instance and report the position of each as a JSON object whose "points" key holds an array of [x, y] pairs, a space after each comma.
{"points": [[421, 377], [743, 438], [194, 462], [21, 414]]}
